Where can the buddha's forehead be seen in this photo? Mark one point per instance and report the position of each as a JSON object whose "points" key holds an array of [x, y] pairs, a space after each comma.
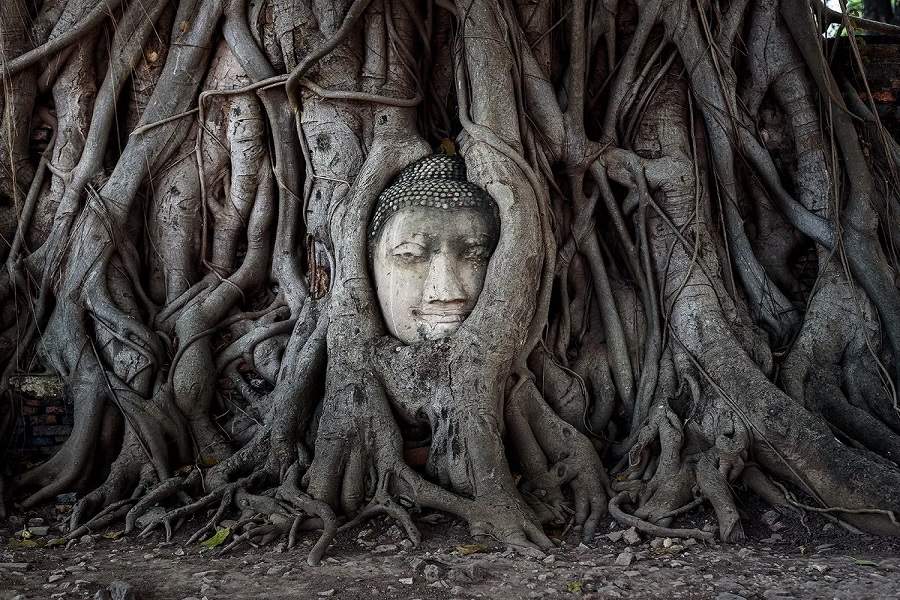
{"points": [[438, 223], [437, 181]]}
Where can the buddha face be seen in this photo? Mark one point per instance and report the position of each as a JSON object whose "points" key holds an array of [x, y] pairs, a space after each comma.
{"points": [[429, 266]]}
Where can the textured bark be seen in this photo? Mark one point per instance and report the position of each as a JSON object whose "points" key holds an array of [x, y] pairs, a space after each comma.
{"points": [[694, 287]]}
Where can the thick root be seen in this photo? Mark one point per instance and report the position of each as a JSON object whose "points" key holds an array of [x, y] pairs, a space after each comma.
{"points": [[555, 454]]}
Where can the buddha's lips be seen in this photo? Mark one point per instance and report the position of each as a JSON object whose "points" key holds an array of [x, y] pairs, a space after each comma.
{"points": [[455, 316]]}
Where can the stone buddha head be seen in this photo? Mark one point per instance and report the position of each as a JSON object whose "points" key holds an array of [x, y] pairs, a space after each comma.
{"points": [[430, 240]]}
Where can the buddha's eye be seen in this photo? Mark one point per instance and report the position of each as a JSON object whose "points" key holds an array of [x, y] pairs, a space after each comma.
{"points": [[476, 253], [409, 252]]}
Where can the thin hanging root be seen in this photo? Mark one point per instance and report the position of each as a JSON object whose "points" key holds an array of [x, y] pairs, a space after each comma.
{"points": [[649, 528], [354, 13], [391, 508], [828, 512]]}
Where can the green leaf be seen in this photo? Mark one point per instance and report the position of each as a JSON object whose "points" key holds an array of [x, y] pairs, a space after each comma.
{"points": [[863, 562], [113, 535], [16, 543], [574, 587], [466, 549], [218, 538]]}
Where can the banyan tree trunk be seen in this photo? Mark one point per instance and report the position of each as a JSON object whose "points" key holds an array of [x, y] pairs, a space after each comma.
{"points": [[693, 293]]}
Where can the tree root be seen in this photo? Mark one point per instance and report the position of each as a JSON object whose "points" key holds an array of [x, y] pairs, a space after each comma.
{"points": [[553, 454], [616, 511], [259, 268], [387, 506]]}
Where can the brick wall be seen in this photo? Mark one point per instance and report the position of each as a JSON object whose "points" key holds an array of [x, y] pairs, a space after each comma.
{"points": [[881, 60], [44, 417]]}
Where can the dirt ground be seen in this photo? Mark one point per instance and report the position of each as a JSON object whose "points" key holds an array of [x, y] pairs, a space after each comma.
{"points": [[785, 556]]}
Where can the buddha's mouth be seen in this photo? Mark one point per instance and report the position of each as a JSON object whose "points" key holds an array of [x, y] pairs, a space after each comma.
{"points": [[442, 316]]}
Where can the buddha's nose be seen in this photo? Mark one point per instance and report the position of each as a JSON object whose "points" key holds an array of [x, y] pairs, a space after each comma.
{"points": [[442, 284]]}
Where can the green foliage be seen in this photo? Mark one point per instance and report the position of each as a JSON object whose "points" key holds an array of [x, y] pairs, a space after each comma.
{"points": [[218, 538]]}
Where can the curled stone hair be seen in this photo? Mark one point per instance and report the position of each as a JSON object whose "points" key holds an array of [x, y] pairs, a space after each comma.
{"points": [[436, 181]]}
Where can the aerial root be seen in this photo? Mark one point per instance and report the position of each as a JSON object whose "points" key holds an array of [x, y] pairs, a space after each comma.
{"points": [[628, 520], [381, 504], [226, 497], [679, 481], [166, 489], [271, 520], [546, 507], [829, 512], [696, 502], [258, 532], [320, 512], [105, 517], [180, 514], [266, 518], [545, 438], [285, 511], [88, 503], [715, 487]]}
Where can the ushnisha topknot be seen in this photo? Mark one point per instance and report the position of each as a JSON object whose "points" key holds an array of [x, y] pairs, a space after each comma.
{"points": [[436, 181]]}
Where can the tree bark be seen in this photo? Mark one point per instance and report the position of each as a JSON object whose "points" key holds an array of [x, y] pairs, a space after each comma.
{"points": [[694, 284]]}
